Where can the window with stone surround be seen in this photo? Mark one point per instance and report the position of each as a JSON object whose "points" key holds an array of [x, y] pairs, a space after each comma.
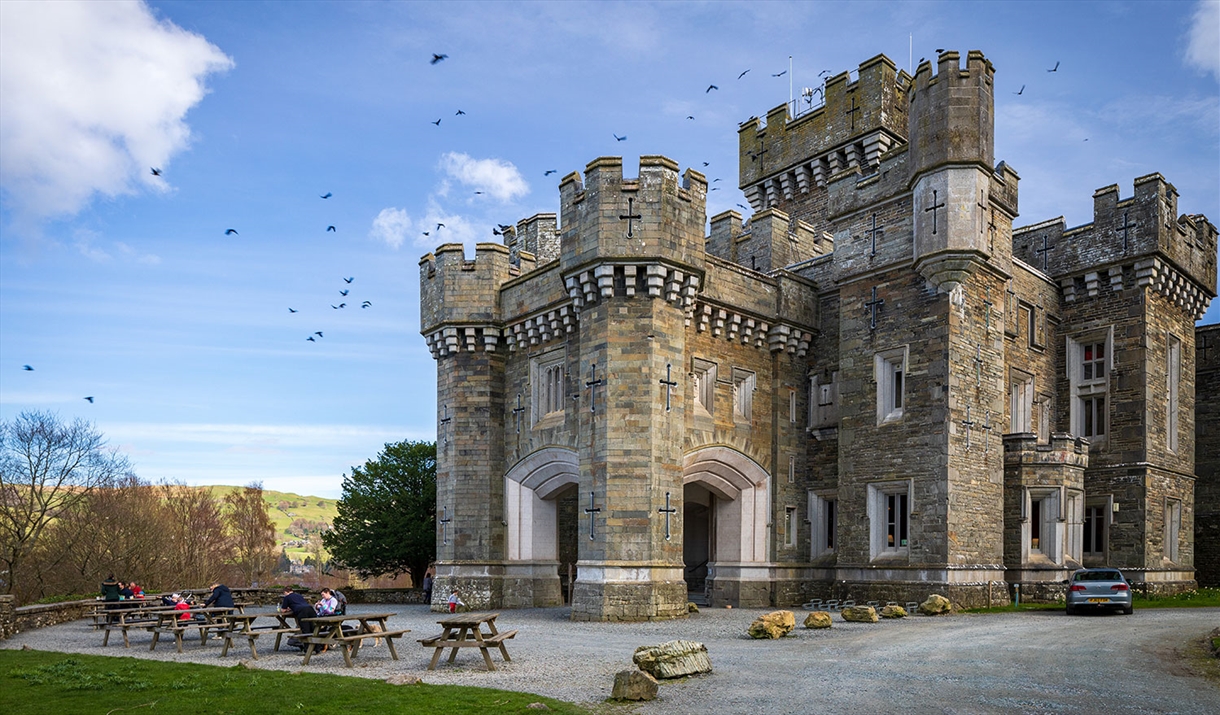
{"points": [[1044, 418], [1090, 361], [823, 400], [547, 382], [790, 526], [703, 373], [792, 469], [1096, 526], [890, 369], [744, 383], [1173, 372], [822, 513], [1173, 526], [1040, 524], [889, 511], [1021, 401], [792, 406]]}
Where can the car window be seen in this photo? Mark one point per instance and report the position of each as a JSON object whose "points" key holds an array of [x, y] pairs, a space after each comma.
{"points": [[1099, 576]]}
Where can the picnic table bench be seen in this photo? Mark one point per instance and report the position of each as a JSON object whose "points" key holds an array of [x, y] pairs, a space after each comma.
{"points": [[328, 632], [106, 611], [469, 627], [241, 625], [126, 620], [200, 619]]}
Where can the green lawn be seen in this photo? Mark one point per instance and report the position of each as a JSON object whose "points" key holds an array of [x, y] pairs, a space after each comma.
{"points": [[42, 682]]}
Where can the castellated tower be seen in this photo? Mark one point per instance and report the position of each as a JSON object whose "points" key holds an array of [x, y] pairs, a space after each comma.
{"points": [[873, 387]]}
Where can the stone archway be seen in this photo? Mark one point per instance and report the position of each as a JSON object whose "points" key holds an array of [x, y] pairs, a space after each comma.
{"points": [[740, 574], [531, 491]]}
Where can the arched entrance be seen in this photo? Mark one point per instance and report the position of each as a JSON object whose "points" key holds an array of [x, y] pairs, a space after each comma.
{"points": [[533, 489], [733, 492]]}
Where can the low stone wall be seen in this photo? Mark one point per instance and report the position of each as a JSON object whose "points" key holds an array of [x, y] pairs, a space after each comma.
{"points": [[25, 618], [384, 595], [8, 626]]}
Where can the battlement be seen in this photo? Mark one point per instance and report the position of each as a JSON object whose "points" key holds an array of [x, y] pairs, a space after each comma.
{"points": [[537, 236], [658, 214], [456, 290], [772, 240], [857, 123], [952, 117]]}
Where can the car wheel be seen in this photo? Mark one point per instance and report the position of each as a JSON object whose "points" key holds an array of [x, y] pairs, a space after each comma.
{"points": [[1070, 611], [1128, 610]]}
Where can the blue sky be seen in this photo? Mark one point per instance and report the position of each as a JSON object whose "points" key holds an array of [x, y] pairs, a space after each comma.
{"points": [[124, 286]]}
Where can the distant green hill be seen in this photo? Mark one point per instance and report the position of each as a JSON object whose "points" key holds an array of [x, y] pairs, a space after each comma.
{"points": [[285, 508]]}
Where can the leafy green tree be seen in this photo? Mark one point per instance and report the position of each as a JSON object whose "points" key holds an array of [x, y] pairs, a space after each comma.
{"points": [[387, 515]]}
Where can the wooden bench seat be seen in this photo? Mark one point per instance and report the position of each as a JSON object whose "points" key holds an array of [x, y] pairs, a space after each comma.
{"points": [[499, 638], [430, 640], [251, 637], [124, 627]]}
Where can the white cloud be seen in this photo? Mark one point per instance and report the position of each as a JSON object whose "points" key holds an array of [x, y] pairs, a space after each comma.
{"points": [[95, 93], [1203, 38], [84, 241], [495, 177], [391, 226]]}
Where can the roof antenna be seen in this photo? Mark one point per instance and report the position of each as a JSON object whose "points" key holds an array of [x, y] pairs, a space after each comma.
{"points": [[790, 102]]}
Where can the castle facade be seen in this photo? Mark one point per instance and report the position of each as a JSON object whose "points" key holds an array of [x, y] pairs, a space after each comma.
{"points": [[874, 388]]}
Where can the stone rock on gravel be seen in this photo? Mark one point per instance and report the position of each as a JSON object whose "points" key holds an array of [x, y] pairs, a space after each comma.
{"points": [[403, 680], [860, 614], [935, 605], [776, 624], [634, 685], [893, 612], [673, 659], [818, 619], [691, 607]]}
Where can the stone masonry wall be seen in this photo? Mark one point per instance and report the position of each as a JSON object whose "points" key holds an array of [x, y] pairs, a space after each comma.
{"points": [[1207, 456]]}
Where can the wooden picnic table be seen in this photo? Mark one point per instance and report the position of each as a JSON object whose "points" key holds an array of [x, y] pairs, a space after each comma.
{"points": [[106, 611], [469, 628], [241, 625], [328, 633], [126, 619], [202, 619]]}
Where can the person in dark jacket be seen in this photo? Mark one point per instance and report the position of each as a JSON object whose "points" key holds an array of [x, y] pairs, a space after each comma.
{"points": [[125, 591], [110, 589], [221, 597], [295, 604]]}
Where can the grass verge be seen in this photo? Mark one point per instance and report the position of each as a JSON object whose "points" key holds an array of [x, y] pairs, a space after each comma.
{"points": [[46, 682], [1199, 598]]}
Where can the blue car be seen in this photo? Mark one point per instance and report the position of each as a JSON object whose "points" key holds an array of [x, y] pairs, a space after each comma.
{"points": [[1098, 588]]}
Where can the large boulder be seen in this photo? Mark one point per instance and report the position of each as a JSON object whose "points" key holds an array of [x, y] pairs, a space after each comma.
{"points": [[935, 605], [818, 619], [634, 685], [776, 624], [893, 612], [860, 614], [673, 659]]}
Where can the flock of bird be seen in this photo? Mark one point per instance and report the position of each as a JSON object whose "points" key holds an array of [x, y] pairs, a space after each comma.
{"points": [[88, 398]]}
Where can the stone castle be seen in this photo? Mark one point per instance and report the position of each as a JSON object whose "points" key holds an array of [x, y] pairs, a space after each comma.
{"points": [[876, 388]]}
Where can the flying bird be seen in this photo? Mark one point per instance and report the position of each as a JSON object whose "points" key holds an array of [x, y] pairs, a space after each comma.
{"points": [[231, 232], [715, 180], [689, 117], [548, 172], [331, 228], [478, 193], [27, 368], [622, 138], [439, 226], [366, 304], [341, 305], [349, 280], [343, 293], [823, 72], [459, 113], [155, 171], [714, 188], [318, 333], [90, 399], [437, 58], [310, 339], [327, 195], [502, 227], [939, 50], [427, 234], [710, 87], [1055, 68], [496, 232], [743, 74], [292, 310], [743, 207], [781, 74], [1022, 90], [437, 122]]}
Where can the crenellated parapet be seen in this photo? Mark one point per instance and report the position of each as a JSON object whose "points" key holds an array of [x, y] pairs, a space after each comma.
{"points": [[952, 116], [460, 299], [859, 121]]}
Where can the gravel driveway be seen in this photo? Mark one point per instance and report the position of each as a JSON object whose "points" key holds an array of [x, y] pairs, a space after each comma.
{"points": [[1034, 662]]}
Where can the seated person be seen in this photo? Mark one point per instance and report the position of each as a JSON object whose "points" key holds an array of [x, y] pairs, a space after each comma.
{"points": [[328, 604], [136, 591], [220, 597], [125, 592], [110, 589], [294, 604], [180, 604]]}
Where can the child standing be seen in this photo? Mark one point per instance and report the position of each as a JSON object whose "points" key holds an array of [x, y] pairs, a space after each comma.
{"points": [[454, 601]]}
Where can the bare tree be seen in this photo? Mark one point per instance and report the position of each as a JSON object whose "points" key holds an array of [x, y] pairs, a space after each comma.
{"points": [[251, 532], [195, 543], [46, 466]]}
